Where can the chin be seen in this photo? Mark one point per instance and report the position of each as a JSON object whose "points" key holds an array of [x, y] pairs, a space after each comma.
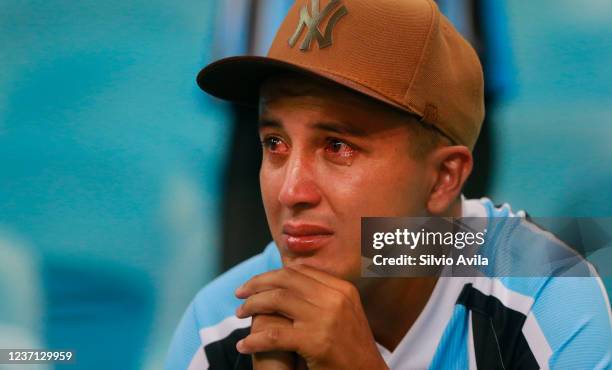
{"points": [[335, 269]]}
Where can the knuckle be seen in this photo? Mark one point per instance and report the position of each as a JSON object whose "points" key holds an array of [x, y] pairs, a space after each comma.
{"points": [[273, 334], [279, 295], [256, 324], [349, 290], [338, 301], [286, 273]]}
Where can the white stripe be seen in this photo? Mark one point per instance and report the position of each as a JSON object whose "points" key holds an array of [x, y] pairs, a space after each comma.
{"points": [[212, 334], [472, 207], [511, 299], [470, 345], [199, 361], [385, 353], [537, 341], [223, 329]]}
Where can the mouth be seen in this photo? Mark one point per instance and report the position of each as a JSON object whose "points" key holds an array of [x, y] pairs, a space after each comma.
{"points": [[303, 239]]}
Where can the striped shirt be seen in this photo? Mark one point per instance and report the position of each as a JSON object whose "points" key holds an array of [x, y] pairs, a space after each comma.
{"points": [[467, 323]]}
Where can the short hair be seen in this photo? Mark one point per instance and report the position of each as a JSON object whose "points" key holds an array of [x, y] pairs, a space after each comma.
{"points": [[427, 137]]}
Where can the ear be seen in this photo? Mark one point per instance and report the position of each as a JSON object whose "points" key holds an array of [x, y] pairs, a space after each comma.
{"points": [[452, 166]]}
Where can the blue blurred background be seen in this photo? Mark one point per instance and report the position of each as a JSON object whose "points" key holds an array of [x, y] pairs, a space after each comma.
{"points": [[122, 185]]}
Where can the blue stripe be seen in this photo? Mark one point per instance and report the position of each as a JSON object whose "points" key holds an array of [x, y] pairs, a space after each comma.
{"points": [[578, 330], [452, 350], [185, 342]]}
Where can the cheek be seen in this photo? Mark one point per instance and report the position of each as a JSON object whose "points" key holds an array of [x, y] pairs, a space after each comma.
{"points": [[270, 186], [390, 188]]}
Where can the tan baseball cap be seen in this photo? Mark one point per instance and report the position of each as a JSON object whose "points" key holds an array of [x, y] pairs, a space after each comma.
{"points": [[402, 52]]}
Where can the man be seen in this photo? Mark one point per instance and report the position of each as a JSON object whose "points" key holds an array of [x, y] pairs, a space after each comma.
{"points": [[371, 108]]}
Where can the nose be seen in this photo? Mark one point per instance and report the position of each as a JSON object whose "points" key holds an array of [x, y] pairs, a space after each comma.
{"points": [[299, 189]]}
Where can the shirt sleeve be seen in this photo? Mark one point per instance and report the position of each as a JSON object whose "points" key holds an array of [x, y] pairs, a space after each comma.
{"points": [[186, 347], [574, 316]]}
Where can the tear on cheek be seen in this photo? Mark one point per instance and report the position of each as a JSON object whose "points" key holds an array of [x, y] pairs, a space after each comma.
{"points": [[342, 159]]}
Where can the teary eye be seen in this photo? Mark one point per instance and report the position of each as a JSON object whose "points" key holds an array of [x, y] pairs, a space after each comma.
{"points": [[340, 152], [274, 145], [338, 147]]}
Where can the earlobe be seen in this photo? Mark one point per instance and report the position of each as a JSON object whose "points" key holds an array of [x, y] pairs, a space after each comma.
{"points": [[453, 165]]}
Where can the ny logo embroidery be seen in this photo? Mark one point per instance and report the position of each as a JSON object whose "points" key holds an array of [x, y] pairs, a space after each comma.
{"points": [[312, 21]]}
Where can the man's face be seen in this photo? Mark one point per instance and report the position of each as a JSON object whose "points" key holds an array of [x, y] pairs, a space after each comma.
{"points": [[331, 157]]}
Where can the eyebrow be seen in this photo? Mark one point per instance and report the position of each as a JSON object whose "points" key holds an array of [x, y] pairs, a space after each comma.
{"points": [[336, 127], [339, 128], [268, 122]]}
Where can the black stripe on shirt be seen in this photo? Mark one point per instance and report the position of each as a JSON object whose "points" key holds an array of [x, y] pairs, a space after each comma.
{"points": [[222, 354], [499, 342]]}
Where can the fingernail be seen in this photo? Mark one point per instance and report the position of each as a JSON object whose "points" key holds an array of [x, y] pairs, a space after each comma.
{"points": [[239, 310], [239, 346], [239, 291]]}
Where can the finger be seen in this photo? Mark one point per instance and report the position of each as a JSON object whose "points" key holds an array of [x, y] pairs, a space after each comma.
{"points": [[271, 339], [293, 280], [263, 321], [279, 301], [343, 286]]}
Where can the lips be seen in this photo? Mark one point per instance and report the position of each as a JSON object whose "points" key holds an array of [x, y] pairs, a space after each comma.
{"points": [[305, 238]]}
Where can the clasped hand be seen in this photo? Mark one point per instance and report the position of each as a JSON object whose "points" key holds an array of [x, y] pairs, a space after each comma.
{"points": [[299, 309]]}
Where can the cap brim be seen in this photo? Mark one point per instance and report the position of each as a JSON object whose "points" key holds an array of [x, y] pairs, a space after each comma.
{"points": [[238, 79]]}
